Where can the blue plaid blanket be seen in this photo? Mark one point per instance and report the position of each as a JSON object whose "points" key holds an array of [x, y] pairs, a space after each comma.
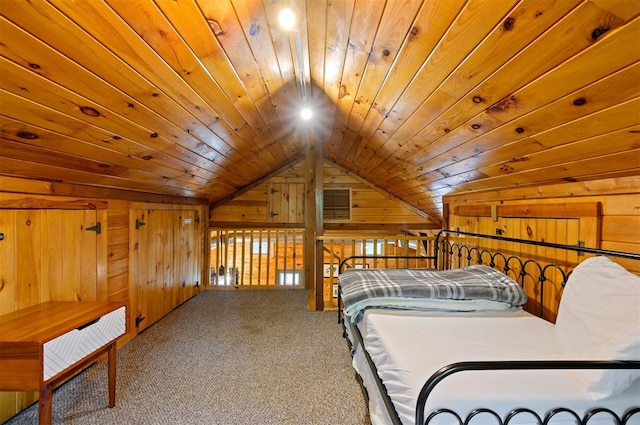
{"points": [[467, 289]]}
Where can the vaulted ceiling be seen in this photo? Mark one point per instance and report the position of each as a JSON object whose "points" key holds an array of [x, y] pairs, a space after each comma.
{"points": [[423, 98]]}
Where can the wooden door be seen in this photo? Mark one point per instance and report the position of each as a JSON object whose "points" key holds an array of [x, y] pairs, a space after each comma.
{"points": [[165, 261], [187, 254], [286, 202], [152, 264]]}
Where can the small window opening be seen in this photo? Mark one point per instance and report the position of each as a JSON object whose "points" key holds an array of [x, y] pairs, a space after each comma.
{"points": [[289, 277]]}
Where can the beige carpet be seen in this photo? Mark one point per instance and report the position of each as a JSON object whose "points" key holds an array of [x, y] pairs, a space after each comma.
{"points": [[224, 357]]}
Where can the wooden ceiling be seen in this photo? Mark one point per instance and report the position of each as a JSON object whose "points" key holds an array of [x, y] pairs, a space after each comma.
{"points": [[423, 98]]}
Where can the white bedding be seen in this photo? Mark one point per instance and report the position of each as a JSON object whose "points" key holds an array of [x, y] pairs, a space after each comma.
{"points": [[407, 350]]}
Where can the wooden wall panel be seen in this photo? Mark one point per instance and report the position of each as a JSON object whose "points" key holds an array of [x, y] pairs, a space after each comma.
{"points": [[619, 199], [250, 207], [8, 260], [28, 263], [117, 286], [53, 234], [165, 259], [47, 253], [622, 228], [370, 205], [558, 230], [617, 229]]}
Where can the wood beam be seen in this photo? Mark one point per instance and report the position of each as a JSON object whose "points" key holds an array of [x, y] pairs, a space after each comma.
{"points": [[313, 219], [382, 228], [19, 185], [249, 225]]}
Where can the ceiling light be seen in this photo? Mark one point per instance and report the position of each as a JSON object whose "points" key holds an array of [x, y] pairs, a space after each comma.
{"points": [[306, 113], [287, 18]]}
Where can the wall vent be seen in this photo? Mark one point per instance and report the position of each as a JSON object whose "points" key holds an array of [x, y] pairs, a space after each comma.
{"points": [[337, 204]]}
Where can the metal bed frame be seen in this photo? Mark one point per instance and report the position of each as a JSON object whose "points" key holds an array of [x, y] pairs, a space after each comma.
{"points": [[445, 254]]}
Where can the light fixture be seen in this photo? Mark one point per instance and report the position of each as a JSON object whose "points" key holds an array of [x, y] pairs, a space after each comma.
{"points": [[287, 19], [306, 113]]}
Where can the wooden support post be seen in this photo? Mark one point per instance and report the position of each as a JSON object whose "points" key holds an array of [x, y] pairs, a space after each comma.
{"points": [[313, 220]]}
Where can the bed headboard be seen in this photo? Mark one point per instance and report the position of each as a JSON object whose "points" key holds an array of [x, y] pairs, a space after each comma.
{"points": [[442, 243], [542, 268]]}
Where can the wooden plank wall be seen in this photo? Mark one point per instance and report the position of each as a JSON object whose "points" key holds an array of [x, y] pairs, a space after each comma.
{"points": [[47, 246], [47, 254], [118, 256], [619, 198], [617, 228], [370, 205]]}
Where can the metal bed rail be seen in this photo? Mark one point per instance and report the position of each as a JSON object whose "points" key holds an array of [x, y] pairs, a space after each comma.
{"points": [[576, 248], [517, 412], [441, 249], [359, 342], [444, 251], [453, 368]]}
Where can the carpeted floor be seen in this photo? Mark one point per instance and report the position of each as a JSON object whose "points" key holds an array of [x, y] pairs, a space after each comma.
{"points": [[223, 357]]}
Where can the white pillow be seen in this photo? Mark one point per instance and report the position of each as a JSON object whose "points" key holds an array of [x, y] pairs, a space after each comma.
{"points": [[599, 319]]}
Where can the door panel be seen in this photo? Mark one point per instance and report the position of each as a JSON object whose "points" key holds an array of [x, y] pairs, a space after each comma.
{"points": [[286, 202], [165, 261], [143, 260], [165, 281], [187, 252]]}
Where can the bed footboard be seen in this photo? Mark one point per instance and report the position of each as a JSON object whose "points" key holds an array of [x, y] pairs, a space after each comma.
{"points": [[425, 418], [451, 369], [615, 419]]}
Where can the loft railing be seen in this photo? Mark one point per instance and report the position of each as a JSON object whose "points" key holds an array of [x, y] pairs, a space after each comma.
{"points": [[257, 257], [356, 251], [275, 257]]}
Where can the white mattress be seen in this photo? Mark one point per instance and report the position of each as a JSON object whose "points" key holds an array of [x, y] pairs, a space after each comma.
{"points": [[407, 349]]}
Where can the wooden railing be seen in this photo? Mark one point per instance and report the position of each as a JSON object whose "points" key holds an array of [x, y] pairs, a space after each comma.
{"points": [[257, 257], [274, 257], [340, 246]]}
